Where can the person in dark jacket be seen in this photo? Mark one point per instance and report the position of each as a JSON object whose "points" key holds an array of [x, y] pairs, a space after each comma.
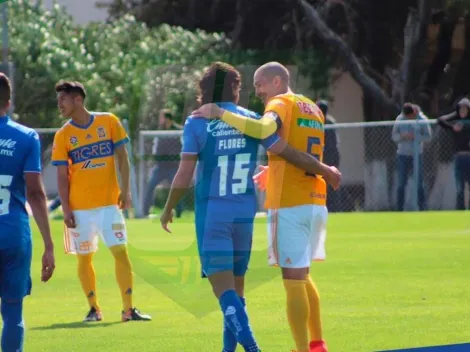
{"points": [[459, 123], [331, 155], [166, 151]]}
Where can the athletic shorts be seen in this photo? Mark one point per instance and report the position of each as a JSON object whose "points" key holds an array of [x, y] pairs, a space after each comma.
{"points": [[106, 222], [224, 246], [15, 271], [296, 235]]}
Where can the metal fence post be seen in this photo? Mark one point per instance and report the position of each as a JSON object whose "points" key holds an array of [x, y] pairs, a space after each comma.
{"points": [[141, 161], [416, 171]]}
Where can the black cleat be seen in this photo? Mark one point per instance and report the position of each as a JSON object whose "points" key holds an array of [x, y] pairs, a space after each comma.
{"points": [[135, 314]]}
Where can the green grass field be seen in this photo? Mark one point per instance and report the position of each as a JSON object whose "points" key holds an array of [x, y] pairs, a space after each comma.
{"points": [[390, 281]]}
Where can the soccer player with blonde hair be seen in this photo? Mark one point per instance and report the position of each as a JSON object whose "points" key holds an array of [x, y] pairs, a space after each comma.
{"points": [[84, 152], [296, 200]]}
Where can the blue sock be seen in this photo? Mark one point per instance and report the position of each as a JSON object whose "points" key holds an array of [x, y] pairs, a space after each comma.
{"points": [[13, 327], [230, 341], [237, 320]]}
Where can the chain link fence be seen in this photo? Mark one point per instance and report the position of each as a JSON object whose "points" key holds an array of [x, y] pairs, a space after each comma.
{"points": [[376, 177], [372, 170]]}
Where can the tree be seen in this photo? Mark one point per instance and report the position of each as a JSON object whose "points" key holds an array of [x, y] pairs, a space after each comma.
{"points": [[114, 60], [384, 45]]}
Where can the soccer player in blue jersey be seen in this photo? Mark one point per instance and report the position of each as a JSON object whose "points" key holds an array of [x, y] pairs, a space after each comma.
{"points": [[20, 179], [225, 196]]}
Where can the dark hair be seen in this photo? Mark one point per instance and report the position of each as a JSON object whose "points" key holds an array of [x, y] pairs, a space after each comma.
{"points": [[70, 87], [5, 90], [220, 83], [408, 109], [323, 105]]}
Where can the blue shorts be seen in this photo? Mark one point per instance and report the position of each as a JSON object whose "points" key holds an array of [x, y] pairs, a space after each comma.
{"points": [[224, 246], [15, 271]]}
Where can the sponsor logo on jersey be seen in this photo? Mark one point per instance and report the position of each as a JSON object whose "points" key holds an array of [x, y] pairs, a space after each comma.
{"points": [[306, 123], [7, 147], [90, 165], [97, 150], [219, 128]]}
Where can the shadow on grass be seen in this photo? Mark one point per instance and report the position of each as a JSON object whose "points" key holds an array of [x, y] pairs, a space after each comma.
{"points": [[77, 325]]}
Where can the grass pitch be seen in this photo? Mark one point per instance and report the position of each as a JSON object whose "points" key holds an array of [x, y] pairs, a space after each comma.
{"points": [[390, 281]]}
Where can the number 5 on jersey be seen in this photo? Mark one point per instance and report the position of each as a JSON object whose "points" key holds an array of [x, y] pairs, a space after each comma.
{"points": [[5, 181], [312, 143]]}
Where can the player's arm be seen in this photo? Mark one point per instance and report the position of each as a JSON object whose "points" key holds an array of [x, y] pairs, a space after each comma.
{"points": [[37, 200], [60, 160], [446, 121], [120, 139], [184, 175], [182, 180], [124, 168], [305, 162], [261, 128]]}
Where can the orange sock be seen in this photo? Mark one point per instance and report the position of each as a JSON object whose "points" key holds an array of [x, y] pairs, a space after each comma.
{"points": [[124, 275], [314, 321], [87, 276], [298, 312]]}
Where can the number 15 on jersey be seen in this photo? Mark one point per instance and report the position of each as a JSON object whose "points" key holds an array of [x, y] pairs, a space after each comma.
{"points": [[238, 181]]}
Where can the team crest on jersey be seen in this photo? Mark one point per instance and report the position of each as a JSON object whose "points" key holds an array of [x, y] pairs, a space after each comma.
{"points": [[74, 141], [101, 132]]}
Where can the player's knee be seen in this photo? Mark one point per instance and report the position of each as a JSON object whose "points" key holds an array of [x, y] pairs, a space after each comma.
{"points": [[118, 249], [221, 282], [12, 311], [294, 273]]}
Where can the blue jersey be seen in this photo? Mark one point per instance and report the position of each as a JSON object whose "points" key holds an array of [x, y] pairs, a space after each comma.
{"points": [[19, 154], [227, 160]]}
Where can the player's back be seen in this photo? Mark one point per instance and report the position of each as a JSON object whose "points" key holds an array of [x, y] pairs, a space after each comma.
{"points": [[19, 153], [227, 161], [303, 128]]}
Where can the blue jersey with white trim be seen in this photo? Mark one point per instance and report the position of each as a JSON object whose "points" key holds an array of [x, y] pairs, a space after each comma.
{"points": [[20, 153], [227, 160]]}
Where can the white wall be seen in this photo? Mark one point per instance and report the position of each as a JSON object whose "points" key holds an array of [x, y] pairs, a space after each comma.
{"points": [[83, 11]]}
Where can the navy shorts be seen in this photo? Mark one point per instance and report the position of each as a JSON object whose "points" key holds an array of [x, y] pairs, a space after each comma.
{"points": [[224, 246], [15, 271]]}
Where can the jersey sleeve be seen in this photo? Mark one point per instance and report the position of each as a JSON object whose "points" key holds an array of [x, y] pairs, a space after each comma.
{"points": [[191, 143], [59, 150], [270, 141], [33, 160], [277, 110], [118, 133]]}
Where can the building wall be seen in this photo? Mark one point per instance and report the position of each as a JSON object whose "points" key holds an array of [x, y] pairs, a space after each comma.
{"points": [[83, 11]]}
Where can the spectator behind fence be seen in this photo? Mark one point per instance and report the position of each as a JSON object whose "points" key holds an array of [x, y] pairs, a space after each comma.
{"points": [[330, 156], [166, 151], [406, 139], [459, 123]]}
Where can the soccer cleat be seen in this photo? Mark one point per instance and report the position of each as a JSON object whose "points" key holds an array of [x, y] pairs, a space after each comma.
{"points": [[135, 314], [318, 346], [93, 315]]}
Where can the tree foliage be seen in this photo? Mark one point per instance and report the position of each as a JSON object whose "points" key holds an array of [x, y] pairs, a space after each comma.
{"points": [[115, 61], [384, 44]]}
